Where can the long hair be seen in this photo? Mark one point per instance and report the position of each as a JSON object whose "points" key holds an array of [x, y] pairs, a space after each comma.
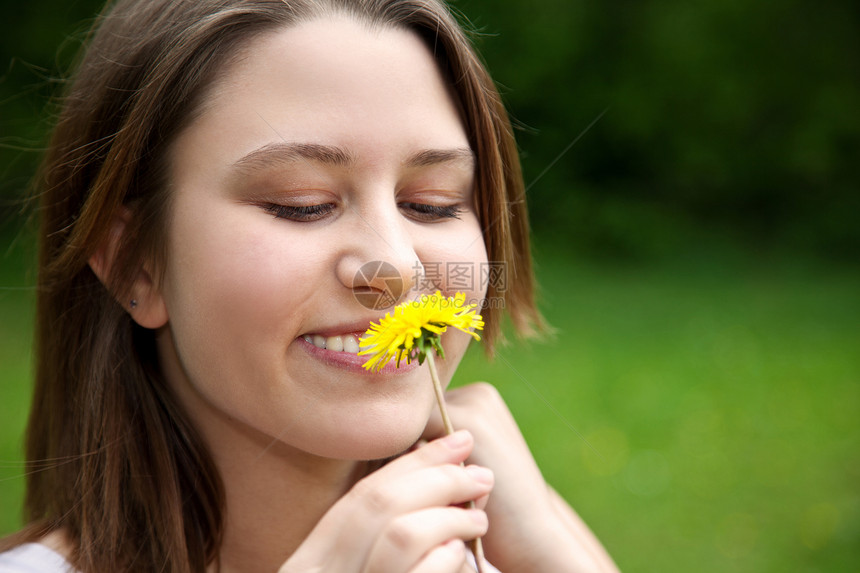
{"points": [[113, 459]]}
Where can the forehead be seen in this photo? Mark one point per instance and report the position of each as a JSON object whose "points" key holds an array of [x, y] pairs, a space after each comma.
{"points": [[332, 81]]}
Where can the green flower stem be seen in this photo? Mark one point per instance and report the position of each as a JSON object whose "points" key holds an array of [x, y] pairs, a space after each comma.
{"points": [[440, 396], [475, 545]]}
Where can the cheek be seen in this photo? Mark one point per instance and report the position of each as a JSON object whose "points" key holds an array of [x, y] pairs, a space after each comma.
{"points": [[455, 344], [458, 262], [236, 253], [236, 289]]}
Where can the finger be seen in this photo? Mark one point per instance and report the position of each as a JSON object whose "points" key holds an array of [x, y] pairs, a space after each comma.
{"points": [[453, 448], [356, 520], [408, 538], [441, 450], [378, 501], [481, 502], [398, 479], [449, 557]]}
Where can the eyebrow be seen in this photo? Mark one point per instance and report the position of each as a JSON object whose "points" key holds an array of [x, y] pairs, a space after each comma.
{"points": [[430, 157], [286, 152]]}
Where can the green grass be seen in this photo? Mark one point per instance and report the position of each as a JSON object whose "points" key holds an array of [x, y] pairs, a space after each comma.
{"points": [[700, 417], [707, 418], [16, 318]]}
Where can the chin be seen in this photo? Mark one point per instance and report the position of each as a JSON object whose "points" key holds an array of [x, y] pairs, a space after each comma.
{"points": [[374, 441]]}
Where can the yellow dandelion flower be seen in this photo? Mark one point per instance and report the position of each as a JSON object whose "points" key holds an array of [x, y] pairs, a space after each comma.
{"points": [[414, 328]]}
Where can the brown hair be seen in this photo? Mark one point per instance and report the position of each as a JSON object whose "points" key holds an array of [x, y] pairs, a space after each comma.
{"points": [[112, 458]]}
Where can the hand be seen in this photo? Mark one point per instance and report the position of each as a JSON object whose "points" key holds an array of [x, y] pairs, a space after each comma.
{"points": [[531, 528], [402, 518]]}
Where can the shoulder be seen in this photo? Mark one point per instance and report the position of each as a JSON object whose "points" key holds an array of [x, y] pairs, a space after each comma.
{"points": [[44, 557], [33, 558]]}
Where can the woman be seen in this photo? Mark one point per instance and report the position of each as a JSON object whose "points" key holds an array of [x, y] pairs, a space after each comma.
{"points": [[220, 174]]}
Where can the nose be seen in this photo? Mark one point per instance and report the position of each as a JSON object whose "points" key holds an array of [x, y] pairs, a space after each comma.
{"points": [[381, 265]]}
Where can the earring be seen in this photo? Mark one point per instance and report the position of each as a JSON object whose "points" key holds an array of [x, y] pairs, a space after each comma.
{"points": [[133, 304]]}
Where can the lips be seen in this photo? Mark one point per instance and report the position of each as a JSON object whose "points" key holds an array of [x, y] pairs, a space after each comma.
{"points": [[343, 354], [338, 346]]}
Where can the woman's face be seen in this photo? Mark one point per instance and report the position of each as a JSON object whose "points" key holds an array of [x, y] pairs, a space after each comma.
{"points": [[326, 146]]}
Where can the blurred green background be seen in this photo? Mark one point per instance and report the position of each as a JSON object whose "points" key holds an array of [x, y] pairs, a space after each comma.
{"points": [[693, 183]]}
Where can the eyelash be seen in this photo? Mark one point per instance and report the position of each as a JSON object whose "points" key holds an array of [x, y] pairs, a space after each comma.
{"points": [[302, 214], [426, 213], [308, 213]]}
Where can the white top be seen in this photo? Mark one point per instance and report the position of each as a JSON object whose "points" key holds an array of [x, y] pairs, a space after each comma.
{"points": [[33, 558], [38, 558]]}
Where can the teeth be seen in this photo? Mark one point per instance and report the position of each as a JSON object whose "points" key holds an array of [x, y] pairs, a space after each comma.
{"points": [[334, 343], [344, 343], [350, 344]]}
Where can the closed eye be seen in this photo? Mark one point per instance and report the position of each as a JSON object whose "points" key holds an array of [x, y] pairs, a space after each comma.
{"points": [[302, 213], [424, 212]]}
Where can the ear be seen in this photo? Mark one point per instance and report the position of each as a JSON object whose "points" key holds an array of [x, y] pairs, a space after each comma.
{"points": [[146, 304]]}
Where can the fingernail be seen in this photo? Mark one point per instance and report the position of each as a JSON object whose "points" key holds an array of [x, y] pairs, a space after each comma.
{"points": [[481, 474], [457, 440]]}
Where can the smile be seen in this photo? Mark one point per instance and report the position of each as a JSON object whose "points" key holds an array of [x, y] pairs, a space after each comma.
{"points": [[339, 343], [341, 351]]}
